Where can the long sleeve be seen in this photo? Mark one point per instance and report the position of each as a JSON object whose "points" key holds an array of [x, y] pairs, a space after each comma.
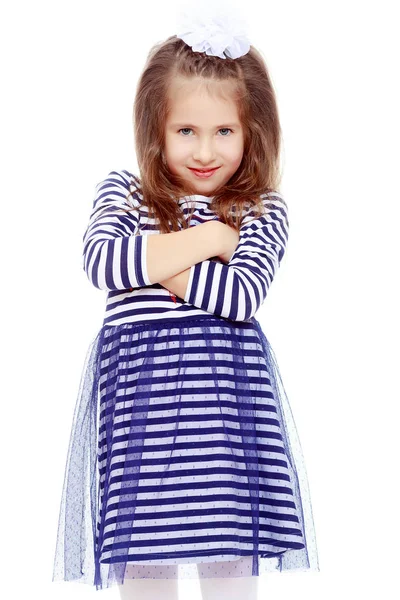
{"points": [[236, 290], [114, 256]]}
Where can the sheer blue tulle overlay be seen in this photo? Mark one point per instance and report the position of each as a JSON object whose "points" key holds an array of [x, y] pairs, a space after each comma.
{"points": [[184, 460]]}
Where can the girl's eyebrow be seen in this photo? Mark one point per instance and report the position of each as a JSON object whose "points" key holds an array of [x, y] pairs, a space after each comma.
{"points": [[194, 126]]}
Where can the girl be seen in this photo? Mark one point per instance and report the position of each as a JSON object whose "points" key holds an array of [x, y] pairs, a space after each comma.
{"points": [[184, 459]]}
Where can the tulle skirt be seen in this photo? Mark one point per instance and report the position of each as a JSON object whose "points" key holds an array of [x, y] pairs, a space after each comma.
{"points": [[184, 459]]}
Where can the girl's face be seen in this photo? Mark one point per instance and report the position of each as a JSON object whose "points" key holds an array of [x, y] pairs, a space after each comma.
{"points": [[203, 131]]}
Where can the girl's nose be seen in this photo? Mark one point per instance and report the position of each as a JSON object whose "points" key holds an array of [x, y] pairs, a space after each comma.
{"points": [[204, 153]]}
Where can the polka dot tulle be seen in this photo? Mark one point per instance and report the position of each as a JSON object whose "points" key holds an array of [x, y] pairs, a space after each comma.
{"points": [[184, 460]]}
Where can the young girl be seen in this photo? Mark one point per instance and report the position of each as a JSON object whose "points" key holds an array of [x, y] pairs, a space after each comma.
{"points": [[184, 459]]}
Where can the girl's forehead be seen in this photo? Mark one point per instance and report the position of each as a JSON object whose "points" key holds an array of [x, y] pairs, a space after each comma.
{"points": [[192, 98], [200, 86]]}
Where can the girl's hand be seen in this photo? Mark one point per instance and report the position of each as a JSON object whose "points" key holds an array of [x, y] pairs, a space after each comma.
{"points": [[231, 237]]}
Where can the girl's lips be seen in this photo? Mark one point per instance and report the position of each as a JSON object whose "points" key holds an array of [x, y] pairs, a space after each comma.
{"points": [[206, 173], [203, 170]]}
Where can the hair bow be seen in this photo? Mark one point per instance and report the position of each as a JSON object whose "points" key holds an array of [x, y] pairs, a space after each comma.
{"points": [[216, 31]]}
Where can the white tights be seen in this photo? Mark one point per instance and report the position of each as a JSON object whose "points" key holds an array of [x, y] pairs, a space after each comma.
{"points": [[212, 588]]}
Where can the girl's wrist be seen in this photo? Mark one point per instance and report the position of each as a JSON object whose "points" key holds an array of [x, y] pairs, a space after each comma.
{"points": [[217, 237]]}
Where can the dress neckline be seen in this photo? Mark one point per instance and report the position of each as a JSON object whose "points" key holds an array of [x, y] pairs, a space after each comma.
{"points": [[195, 198]]}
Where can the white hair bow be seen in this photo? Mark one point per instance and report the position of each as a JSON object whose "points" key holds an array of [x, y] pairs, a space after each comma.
{"points": [[216, 30]]}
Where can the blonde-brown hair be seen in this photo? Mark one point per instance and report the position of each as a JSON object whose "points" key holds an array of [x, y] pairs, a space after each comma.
{"points": [[258, 172]]}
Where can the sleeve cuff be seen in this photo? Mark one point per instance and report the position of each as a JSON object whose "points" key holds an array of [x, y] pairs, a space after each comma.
{"points": [[145, 275], [191, 288], [140, 253]]}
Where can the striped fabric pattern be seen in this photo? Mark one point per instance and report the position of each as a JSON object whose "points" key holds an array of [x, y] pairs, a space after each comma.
{"points": [[236, 291], [115, 255], [191, 453]]}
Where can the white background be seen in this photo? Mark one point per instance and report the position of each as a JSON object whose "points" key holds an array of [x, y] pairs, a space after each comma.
{"points": [[69, 71]]}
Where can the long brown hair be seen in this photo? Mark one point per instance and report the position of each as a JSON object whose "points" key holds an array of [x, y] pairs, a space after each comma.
{"points": [[258, 172]]}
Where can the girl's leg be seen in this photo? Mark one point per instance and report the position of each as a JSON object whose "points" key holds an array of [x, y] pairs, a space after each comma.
{"points": [[149, 589], [163, 584], [228, 580], [229, 588]]}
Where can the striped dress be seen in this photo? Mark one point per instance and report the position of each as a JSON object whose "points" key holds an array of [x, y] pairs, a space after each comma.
{"points": [[183, 459]]}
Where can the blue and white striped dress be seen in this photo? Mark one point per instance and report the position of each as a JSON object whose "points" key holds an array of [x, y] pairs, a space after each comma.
{"points": [[184, 459]]}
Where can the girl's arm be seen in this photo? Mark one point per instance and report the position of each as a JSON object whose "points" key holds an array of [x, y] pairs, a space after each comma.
{"points": [[236, 290], [116, 258], [113, 255], [178, 283], [169, 254]]}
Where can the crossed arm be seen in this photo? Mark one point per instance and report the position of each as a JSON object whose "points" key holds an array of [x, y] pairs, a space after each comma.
{"points": [[115, 258], [237, 289]]}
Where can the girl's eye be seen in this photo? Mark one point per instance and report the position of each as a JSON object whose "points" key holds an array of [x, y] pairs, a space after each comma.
{"points": [[225, 129], [222, 129]]}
